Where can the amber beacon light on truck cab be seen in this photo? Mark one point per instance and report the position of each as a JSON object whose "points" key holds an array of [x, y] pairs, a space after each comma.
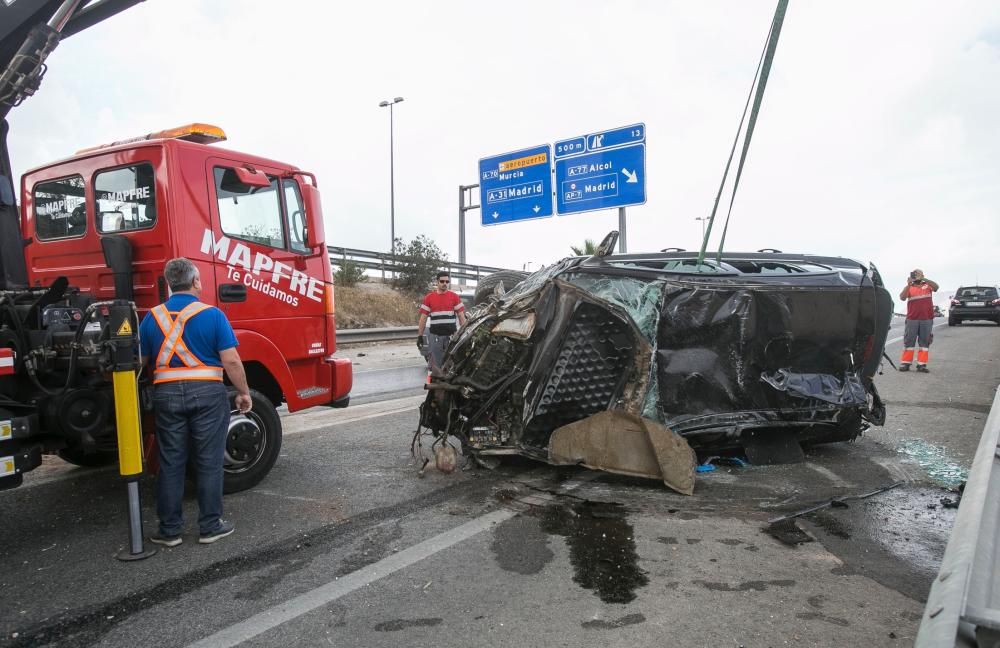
{"points": [[101, 225]]}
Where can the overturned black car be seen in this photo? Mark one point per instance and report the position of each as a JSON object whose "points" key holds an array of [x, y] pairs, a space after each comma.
{"points": [[608, 361]]}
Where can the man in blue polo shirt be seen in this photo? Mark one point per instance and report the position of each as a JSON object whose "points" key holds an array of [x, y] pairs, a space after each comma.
{"points": [[188, 345]]}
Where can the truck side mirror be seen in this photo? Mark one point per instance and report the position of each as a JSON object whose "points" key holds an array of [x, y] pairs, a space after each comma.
{"points": [[315, 234]]}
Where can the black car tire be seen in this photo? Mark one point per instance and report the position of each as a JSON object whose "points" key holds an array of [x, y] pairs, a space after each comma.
{"points": [[252, 444], [954, 321], [486, 285]]}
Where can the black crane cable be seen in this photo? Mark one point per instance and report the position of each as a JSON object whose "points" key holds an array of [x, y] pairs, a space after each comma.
{"points": [[760, 82]]}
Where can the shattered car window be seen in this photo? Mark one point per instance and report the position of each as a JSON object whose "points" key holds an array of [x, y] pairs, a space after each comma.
{"points": [[639, 298]]}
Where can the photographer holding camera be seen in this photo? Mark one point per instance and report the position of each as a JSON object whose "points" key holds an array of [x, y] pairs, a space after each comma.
{"points": [[919, 320]]}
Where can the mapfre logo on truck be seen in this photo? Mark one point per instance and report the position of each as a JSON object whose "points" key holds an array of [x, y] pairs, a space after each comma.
{"points": [[260, 272]]}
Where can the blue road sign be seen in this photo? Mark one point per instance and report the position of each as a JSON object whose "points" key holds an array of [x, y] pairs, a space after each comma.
{"points": [[601, 170], [516, 186]]}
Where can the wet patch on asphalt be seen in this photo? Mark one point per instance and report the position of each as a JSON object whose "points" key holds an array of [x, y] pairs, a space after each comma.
{"points": [[520, 545], [818, 616], [896, 538], [627, 620], [402, 624], [601, 545], [745, 586], [375, 546]]}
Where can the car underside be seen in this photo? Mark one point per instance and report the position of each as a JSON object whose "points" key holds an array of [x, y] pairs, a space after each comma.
{"points": [[607, 361]]}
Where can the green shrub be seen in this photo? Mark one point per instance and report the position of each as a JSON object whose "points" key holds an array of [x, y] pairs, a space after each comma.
{"points": [[349, 274], [416, 264]]}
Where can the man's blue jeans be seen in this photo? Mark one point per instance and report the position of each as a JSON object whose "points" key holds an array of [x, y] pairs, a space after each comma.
{"points": [[192, 418]]}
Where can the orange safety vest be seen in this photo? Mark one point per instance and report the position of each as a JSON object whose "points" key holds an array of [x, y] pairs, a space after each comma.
{"points": [[173, 345]]}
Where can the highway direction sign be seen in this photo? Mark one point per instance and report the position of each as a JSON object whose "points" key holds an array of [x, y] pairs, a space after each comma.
{"points": [[516, 186], [601, 170]]}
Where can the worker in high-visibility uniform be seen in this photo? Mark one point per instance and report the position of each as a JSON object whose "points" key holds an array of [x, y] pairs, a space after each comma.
{"points": [[188, 344], [917, 335]]}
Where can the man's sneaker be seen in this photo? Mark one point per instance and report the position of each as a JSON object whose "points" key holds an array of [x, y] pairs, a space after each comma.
{"points": [[923, 369], [904, 367], [225, 528], [165, 540]]}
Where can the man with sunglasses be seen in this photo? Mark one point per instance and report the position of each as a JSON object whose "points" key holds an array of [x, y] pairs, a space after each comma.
{"points": [[446, 313]]}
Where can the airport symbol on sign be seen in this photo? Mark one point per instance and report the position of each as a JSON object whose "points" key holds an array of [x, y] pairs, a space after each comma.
{"points": [[516, 186], [601, 170]]}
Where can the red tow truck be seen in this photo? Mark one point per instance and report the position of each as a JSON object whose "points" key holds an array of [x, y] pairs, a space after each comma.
{"points": [[101, 224]]}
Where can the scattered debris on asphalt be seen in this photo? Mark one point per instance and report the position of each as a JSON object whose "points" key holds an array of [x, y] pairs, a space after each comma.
{"points": [[837, 502], [789, 532]]}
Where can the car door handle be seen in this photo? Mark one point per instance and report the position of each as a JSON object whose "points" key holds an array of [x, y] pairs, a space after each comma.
{"points": [[232, 293]]}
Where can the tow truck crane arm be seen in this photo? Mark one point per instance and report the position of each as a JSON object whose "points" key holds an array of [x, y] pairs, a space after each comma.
{"points": [[29, 31]]}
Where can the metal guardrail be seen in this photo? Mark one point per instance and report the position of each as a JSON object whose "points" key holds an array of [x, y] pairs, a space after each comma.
{"points": [[387, 264], [351, 336], [963, 608]]}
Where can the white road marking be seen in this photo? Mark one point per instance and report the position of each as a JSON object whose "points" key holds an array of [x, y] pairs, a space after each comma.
{"points": [[333, 590], [834, 478], [316, 420], [897, 339]]}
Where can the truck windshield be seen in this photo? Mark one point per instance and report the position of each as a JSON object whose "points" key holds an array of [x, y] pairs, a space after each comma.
{"points": [[249, 213]]}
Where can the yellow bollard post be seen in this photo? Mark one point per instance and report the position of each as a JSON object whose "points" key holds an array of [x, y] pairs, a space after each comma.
{"points": [[130, 465]]}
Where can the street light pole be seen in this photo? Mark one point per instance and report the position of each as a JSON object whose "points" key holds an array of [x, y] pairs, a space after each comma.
{"points": [[702, 219], [392, 177]]}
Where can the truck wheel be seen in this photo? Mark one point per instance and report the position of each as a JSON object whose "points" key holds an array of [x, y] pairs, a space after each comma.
{"points": [[486, 285], [252, 444], [78, 457]]}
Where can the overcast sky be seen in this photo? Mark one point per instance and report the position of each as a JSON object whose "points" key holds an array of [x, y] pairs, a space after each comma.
{"points": [[878, 139]]}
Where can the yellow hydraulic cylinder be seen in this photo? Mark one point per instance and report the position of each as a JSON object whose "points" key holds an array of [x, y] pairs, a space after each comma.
{"points": [[127, 422], [123, 377]]}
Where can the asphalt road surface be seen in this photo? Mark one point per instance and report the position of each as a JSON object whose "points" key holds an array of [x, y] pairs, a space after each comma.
{"points": [[343, 544]]}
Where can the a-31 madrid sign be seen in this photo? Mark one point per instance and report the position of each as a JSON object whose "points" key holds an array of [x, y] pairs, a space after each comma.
{"points": [[516, 186]]}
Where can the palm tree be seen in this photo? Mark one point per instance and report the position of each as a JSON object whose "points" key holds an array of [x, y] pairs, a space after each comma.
{"points": [[589, 248]]}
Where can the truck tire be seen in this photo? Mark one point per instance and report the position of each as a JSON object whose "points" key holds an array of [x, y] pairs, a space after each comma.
{"points": [[486, 285], [78, 457], [252, 443]]}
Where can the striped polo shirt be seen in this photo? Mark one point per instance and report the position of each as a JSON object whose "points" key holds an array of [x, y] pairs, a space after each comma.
{"points": [[442, 311]]}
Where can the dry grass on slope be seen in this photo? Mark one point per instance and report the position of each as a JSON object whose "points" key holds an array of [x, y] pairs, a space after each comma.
{"points": [[373, 305]]}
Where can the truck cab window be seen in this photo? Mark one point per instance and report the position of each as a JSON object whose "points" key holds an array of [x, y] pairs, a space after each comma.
{"points": [[60, 208], [296, 216], [125, 198], [249, 213]]}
